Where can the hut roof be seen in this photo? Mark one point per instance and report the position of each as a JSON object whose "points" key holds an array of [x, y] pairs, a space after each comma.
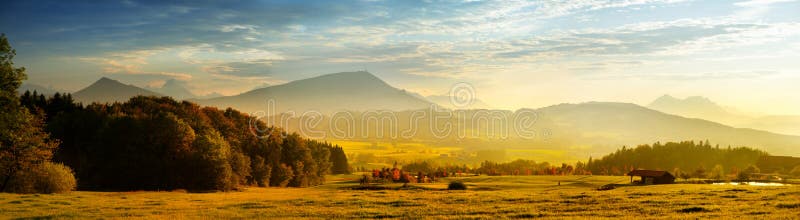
{"points": [[653, 173]]}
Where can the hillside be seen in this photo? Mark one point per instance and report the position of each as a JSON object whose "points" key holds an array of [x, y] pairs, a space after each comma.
{"points": [[576, 130], [357, 91], [597, 123], [107, 90]]}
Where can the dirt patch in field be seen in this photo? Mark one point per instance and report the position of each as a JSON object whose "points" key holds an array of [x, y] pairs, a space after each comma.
{"points": [[693, 209], [788, 205]]}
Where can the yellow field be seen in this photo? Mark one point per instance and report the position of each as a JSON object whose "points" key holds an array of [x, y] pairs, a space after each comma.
{"points": [[487, 197]]}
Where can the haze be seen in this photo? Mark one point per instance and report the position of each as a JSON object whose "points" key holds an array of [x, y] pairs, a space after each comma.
{"points": [[516, 54]]}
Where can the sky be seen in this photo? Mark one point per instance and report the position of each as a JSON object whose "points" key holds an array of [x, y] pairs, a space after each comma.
{"points": [[744, 54]]}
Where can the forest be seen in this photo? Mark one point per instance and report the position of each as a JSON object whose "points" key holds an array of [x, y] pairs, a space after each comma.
{"points": [[152, 143], [677, 157]]}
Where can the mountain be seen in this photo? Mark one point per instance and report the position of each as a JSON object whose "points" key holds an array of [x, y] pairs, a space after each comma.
{"points": [[784, 124], [109, 90], [358, 91], [703, 108], [175, 89], [695, 107], [38, 88], [622, 123], [445, 101], [210, 95], [575, 131]]}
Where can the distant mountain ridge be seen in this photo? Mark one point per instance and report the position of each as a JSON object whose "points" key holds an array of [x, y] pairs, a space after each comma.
{"points": [[600, 122], [175, 89], [704, 108], [356, 91], [693, 107], [579, 130], [447, 102], [106, 90], [47, 91]]}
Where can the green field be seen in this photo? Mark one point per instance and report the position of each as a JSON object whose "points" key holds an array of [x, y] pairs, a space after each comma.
{"points": [[487, 197]]}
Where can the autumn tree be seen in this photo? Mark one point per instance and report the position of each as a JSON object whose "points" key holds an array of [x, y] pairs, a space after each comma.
{"points": [[700, 172], [717, 172], [23, 143], [748, 172]]}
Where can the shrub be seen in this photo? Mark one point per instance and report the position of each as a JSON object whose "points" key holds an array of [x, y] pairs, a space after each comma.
{"points": [[456, 185], [44, 178], [366, 179]]}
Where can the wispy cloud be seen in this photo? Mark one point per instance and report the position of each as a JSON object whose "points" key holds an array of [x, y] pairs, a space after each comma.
{"points": [[132, 63]]}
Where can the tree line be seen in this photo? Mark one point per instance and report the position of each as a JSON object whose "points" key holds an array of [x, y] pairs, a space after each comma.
{"points": [[25, 148], [154, 143], [686, 157]]}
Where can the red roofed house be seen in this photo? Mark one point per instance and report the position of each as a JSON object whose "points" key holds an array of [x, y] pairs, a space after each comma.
{"points": [[653, 176]]}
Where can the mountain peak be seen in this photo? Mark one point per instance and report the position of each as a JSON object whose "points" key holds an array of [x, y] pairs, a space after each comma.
{"points": [[171, 82], [106, 80], [698, 99], [356, 91], [357, 76], [176, 89], [665, 98], [692, 107], [106, 90]]}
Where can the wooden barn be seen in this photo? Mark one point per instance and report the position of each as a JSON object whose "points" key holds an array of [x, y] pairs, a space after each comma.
{"points": [[652, 176]]}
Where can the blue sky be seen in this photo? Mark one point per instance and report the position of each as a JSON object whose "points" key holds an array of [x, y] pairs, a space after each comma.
{"points": [[516, 53]]}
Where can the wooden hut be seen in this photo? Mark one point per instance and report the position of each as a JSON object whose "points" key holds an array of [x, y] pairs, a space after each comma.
{"points": [[653, 176]]}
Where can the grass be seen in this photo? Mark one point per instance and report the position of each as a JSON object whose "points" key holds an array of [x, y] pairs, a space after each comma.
{"points": [[486, 197], [415, 150]]}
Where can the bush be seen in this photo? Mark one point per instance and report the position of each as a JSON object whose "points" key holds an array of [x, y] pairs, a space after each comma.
{"points": [[44, 178], [456, 185]]}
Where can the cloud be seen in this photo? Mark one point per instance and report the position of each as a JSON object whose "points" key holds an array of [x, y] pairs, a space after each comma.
{"points": [[755, 3], [236, 27], [689, 76], [132, 63], [410, 41]]}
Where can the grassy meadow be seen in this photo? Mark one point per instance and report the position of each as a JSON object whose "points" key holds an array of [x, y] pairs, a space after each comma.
{"points": [[487, 197], [384, 153]]}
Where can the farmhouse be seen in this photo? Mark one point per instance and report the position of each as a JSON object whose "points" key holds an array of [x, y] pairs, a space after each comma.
{"points": [[652, 176]]}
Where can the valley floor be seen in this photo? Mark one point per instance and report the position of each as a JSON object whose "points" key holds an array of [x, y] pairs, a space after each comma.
{"points": [[487, 197]]}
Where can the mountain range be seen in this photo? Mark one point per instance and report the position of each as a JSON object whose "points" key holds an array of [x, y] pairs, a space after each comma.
{"points": [[47, 91]]}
